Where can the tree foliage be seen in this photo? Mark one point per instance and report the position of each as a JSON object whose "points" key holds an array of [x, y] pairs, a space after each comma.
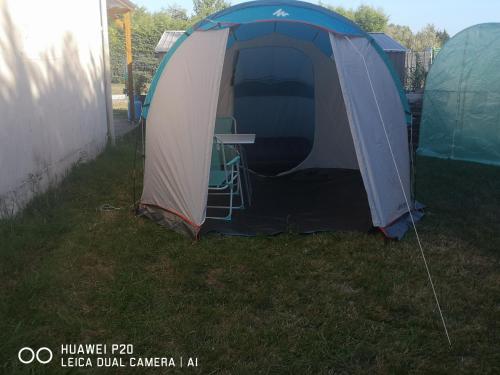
{"points": [[427, 38], [203, 8], [443, 36], [373, 19], [177, 12], [147, 29], [367, 17]]}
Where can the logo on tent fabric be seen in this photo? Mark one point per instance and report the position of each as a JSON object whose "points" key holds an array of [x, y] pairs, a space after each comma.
{"points": [[280, 13]]}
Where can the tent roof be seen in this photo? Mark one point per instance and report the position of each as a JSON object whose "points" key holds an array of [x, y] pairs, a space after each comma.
{"points": [[387, 43], [281, 10], [267, 11], [168, 38]]}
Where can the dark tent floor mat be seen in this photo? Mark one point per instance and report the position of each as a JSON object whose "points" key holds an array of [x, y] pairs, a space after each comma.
{"points": [[272, 156], [307, 201]]}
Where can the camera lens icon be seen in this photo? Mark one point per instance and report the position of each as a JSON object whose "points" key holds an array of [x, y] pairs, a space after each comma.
{"points": [[27, 355]]}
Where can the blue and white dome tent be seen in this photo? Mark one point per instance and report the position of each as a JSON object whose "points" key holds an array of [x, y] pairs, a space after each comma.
{"points": [[317, 91]]}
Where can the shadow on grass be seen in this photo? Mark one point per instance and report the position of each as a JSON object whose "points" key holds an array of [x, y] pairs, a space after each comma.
{"points": [[463, 201]]}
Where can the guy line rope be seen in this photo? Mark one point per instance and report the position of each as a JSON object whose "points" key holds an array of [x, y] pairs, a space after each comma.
{"points": [[403, 190]]}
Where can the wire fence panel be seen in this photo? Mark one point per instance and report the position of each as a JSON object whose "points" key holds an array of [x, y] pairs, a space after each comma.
{"points": [[417, 66]]}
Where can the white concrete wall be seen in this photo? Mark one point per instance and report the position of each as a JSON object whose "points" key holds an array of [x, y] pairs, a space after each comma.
{"points": [[52, 94]]}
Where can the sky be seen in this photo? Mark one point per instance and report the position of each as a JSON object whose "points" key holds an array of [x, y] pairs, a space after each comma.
{"points": [[452, 15]]}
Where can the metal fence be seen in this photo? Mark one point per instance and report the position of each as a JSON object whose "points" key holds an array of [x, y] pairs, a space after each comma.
{"points": [[144, 66], [417, 65]]}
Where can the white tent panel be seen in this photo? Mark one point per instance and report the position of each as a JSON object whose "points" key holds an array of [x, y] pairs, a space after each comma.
{"points": [[333, 146], [226, 94], [377, 121], [180, 127]]}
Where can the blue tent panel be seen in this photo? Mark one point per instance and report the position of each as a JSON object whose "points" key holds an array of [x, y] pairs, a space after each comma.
{"points": [[291, 11], [291, 18]]}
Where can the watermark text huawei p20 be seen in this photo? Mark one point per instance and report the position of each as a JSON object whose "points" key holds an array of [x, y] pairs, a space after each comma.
{"points": [[100, 355]]}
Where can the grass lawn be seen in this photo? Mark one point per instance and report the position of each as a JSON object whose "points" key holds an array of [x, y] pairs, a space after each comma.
{"points": [[119, 106], [328, 303], [117, 88], [120, 109]]}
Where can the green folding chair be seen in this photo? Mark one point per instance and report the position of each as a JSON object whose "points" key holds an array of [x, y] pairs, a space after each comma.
{"points": [[225, 178], [228, 125], [225, 125]]}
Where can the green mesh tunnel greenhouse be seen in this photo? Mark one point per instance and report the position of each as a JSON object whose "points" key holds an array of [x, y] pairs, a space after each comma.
{"points": [[461, 110]]}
